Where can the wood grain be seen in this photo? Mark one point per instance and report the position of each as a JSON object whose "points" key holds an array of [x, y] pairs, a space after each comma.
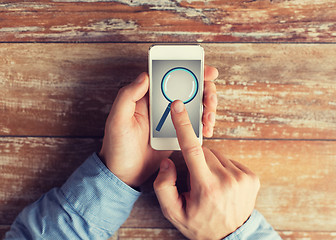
{"points": [[297, 193], [297, 180], [4, 229], [61, 87], [31, 166], [275, 91], [150, 234], [276, 112], [173, 234], [290, 235], [174, 21], [266, 91]]}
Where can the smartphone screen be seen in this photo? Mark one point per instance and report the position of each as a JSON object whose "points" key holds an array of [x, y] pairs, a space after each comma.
{"points": [[175, 80], [175, 73]]}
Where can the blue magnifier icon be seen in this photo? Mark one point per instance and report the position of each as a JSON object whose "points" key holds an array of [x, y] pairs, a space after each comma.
{"points": [[177, 84]]}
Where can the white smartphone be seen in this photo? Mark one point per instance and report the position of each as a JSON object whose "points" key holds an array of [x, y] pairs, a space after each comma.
{"points": [[176, 72]]}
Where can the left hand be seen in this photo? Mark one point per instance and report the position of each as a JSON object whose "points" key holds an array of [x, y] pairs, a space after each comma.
{"points": [[126, 150]]}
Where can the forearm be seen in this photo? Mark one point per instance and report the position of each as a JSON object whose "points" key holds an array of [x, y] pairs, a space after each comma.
{"points": [[256, 227], [92, 204]]}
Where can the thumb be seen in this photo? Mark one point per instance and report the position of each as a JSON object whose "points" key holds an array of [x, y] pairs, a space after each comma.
{"points": [[167, 194], [124, 105]]}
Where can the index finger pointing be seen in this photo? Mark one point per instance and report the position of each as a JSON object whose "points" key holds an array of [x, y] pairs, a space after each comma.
{"points": [[189, 143]]}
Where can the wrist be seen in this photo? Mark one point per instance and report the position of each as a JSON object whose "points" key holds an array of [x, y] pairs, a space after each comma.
{"points": [[102, 158], [243, 228]]}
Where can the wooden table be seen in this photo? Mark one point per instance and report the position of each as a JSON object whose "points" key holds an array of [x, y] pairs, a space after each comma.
{"points": [[62, 63]]}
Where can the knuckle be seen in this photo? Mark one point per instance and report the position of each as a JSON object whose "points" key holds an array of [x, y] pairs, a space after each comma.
{"points": [[158, 185], [255, 180], [232, 182], [241, 176], [124, 91], [194, 150], [250, 179], [210, 86], [184, 122]]}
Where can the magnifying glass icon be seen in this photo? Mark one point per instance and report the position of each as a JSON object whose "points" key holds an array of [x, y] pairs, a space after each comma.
{"points": [[177, 84]]}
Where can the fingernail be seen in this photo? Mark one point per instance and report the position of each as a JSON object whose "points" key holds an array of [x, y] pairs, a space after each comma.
{"points": [[140, 78], [164, 165], [178, 107]]}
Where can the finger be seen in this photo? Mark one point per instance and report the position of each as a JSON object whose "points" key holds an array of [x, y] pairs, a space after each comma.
{"points": [[210, 73], [209, 118], [166, 192], [213, 162], [207, 131], [210, 107], [242, 167], [141, 108], [189, 143], [125, 104], [210, 96], [233, 169]]}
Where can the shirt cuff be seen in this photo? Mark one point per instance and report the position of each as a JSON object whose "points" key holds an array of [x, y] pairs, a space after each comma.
{"points": [[256, 227], [99, 196]]}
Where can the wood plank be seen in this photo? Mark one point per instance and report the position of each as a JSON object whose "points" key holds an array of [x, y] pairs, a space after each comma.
{"points": [[172, 234], [175, 21], [290, 235], [62, 88], [274, 91], [5, 228], [297, 177], [150, 234], [31, 166]]}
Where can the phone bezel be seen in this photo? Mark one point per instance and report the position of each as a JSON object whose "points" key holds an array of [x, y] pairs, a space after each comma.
{"points": [[174, 52]]}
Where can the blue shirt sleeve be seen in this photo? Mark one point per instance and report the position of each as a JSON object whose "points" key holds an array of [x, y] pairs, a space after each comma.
{"points": [[92, 204], [256, 227]]}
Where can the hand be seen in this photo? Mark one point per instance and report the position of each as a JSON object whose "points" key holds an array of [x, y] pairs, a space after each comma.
{"points": [[126, 150], [222, 192]]}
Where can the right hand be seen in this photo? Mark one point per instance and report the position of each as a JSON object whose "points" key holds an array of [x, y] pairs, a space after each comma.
{"points": [[222, 192]]}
